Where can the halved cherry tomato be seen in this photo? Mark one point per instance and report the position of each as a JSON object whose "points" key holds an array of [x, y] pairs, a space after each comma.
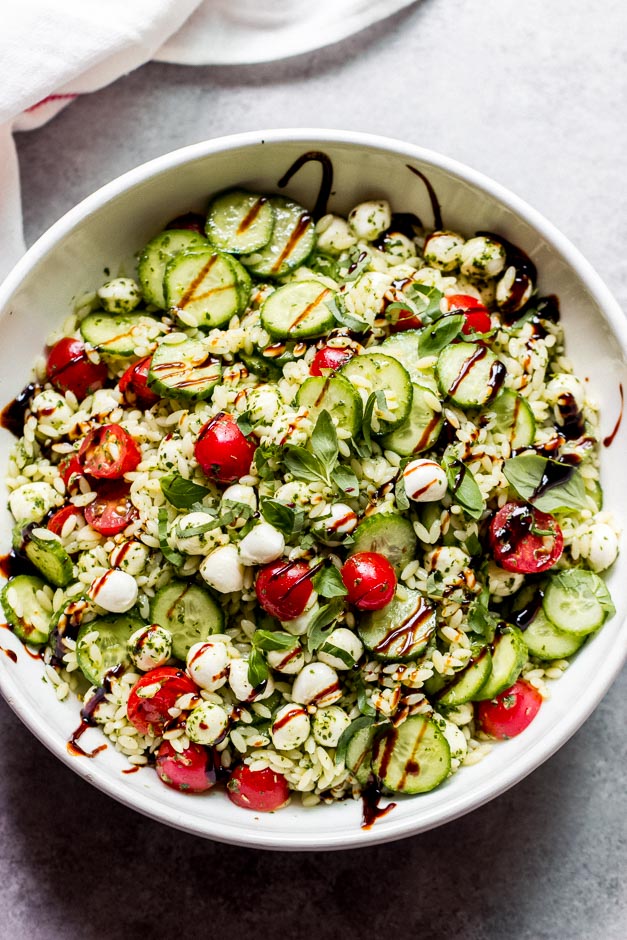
{"points": [[330, 357], [369, 579], [510, 712], [109, 452], [191, 771], [193, 221], [477, 317], [134, 384], [260, 790], [69, 369], [402, 318], [283, 588], [525, 540], [152, 697], [60, 517], [222, 451], [71, 469], [112, 509]]}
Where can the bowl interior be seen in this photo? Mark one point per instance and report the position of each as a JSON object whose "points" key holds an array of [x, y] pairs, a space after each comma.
{"points": [[102, 235]]}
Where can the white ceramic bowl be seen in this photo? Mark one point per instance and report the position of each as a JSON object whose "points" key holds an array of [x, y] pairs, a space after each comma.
{"points": [[106, 230]]}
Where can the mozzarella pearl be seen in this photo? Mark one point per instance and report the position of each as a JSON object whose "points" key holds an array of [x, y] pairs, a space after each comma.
{"points": [[340, 521], [169, 452], [482, 257], [200, 544], [448, 560], [52, 410], [223, 570], [603, 547], [290, 727], [345, 640], [503, 583], [32, 501], [425, 481], [329, 725], [263, 404], [369, 219], [120, 295], [263, 544], [208, 664], [299, 625], [316, 684], [150, 647], [131, 556], [443, 250], [456, 740], [206, 724], [399, 247], [115, 591], [241, 687], [289, 662], [334, 235], [238, 493]]}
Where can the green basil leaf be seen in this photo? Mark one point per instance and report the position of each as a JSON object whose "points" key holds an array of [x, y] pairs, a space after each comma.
{"points": [[269, 641], [346, 481], [169, 554], [526, 473], [323, 264], [479, 617], [367, 420], [343, 655], [427, 301], [362, 699], [400, 494], [338, 308], [328, 582], [244, 423], [287, 520], [324, 440], [191, 531], [358, 261], [323, 624], [267, 460], [180, 492], [258, 671], [463, 487], [436, 337], [303, 465]]}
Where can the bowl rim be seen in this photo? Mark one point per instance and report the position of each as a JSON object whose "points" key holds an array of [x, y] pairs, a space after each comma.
{"points": [[599, 684]]}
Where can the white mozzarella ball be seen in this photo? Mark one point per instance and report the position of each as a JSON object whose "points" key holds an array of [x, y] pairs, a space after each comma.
{"points": [[200, 543], [299, 625], [369, 219], [603, 547], [241, 687], [263, 404], [52, 410], [334, 235], [425, 481], [208, 664], [316, 684], [482, 257], [262, 545], [120, 295], [206, 724], [443, 250], [340, 521], [329, 725], [510, 296], [32, 501], [130, 556], [238, 493], [290, 727], [343, 639], [448, 560], [169, 452], [92, 563], [115, 591], [565, 384], [223, 570], [399, 247], [150, 647], [503, 583], [289, 662], [456, 740]]}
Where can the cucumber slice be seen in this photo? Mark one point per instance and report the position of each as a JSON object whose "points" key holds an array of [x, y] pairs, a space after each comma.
{"points": [[205, 286], [404, 347], [421, 429], [577, 601], [358, 758], [106, 648], [515, 417], [390, 535], [262, 366], [413, 758], [373, 371], [155, 257], [509, 655], [468, 683], [120, 335], [183, 369], [469, 374], [24, 613], [334, 394], [239, 221], [188, 612], [400, 631], [298, 311], [51, 559], [292, 241], [544, 640]]}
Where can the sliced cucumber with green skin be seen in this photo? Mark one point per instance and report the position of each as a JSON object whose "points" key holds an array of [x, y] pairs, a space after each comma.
{"points": [[298, 310], [421, 429], [292, 241], [515, 417], [467, 685], [203, 286], [50, 557], [358, 758], [401, 630], [577, 601], [413, 758], [544, 640], [111, 635], [374, 371], [390, 535], [262, 366], [32, 623], [404, 347], [469, 374], [183, 370], [119, 335], [155, 257], [334, 394], [239, 221], [188, 612], [509, 655]]}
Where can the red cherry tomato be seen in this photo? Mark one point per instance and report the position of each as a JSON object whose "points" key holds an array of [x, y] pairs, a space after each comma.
{"points": [[109, 452], [193, 221], [134, 385], [192, 771], [283, 588], [510, 712], [112, 509], [369, 579], [403, 318], [222, 451], [329, 357], [260, 790], [525, 540], [477, 318], [60, 517], [69, 369], [152, 697], [71, 469]]}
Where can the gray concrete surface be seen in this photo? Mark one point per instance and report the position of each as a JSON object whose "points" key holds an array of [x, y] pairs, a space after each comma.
{"points": [[535, 95]]}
